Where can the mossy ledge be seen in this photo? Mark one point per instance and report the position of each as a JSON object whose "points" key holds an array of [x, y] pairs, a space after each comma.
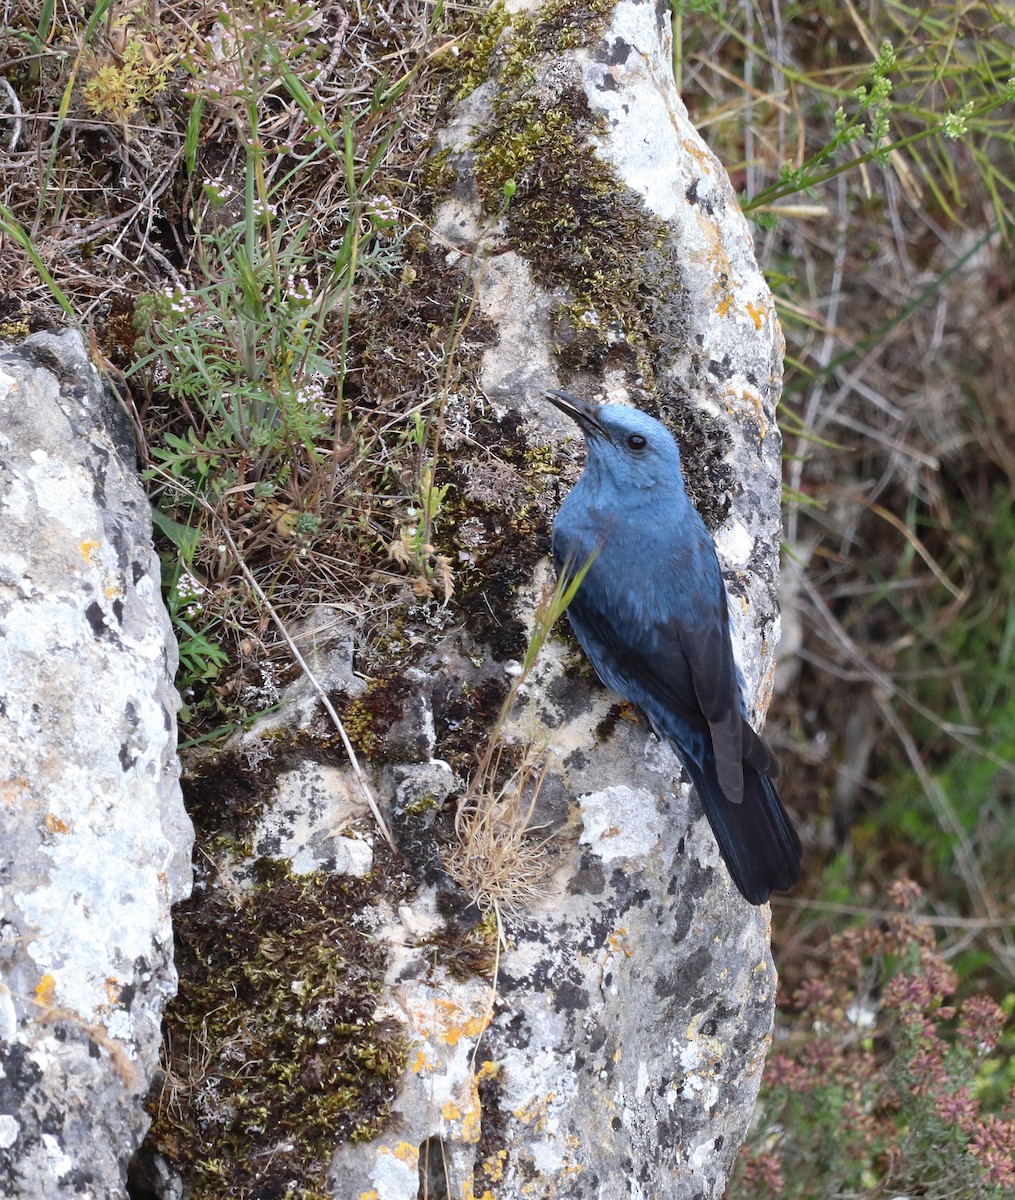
{"points": [[275, 1042]]}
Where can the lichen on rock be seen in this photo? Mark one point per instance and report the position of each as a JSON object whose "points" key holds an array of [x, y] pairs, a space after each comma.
{"points": [[94, 839]]}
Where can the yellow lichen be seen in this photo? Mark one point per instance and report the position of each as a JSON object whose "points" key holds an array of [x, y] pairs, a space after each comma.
{"points": [[45, 990]]}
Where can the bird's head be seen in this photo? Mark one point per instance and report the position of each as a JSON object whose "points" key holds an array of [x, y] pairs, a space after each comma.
{"points": [[624, 444]]}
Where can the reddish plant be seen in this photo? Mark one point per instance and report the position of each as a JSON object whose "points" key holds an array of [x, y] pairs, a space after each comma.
{"points": [[880, 1084]]}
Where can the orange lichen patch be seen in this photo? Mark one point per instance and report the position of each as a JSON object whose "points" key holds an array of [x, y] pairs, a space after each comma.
{"points": [[766, 686], [488, 1070], [534, 1112], [472, 1124], [449, 1022], [88, 550], [469, 1194], [45, 990], [371, 1195], [755, 401], [700, 155], [16, 790], [571, 1166], [758, 313], [420, 1063], [470, 1111], [617, 941], [55, 825], [444, 1020], [493, 1166], [742, 601], [741, 399], [404, 1151], [713, 255], [474, 1026]]}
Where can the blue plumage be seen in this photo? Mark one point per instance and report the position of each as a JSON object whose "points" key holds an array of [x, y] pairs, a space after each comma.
{"points": [[651, 615]]}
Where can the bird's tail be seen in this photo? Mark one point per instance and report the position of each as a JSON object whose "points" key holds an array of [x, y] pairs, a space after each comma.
{"points": [[756, 839]]}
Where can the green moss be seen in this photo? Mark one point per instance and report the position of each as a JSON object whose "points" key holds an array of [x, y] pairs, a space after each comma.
{"points": [[495, 546], [541, 460], [437, 174], [475, 51], [427, 803], [589, 238], [278, 988], [358, 721], [468, 952], [581, 228]]}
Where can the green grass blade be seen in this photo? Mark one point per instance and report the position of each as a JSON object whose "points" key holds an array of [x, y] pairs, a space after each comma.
{"points": [[10, 225], [192, 135]]}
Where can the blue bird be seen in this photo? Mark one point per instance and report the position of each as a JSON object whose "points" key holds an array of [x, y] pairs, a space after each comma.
{"points": [[651, 615]]}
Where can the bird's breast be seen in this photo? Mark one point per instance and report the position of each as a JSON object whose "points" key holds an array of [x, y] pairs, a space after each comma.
{"points": [[656, 557]]}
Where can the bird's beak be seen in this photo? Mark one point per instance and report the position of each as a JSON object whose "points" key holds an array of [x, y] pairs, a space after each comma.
{"points": [[580, 411]]}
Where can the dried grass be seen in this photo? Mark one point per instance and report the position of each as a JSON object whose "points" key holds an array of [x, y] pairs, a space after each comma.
{"points": [[502, 858]]}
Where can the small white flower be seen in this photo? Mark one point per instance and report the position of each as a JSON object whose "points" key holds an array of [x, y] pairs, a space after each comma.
{"points": [[187, 586]]}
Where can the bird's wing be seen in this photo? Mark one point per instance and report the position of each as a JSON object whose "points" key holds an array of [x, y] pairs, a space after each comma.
{"points": [[709, 654], [682, 665]]}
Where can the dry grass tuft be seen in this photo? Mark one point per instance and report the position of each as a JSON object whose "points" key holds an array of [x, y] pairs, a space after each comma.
{"points": [[502, 859]]}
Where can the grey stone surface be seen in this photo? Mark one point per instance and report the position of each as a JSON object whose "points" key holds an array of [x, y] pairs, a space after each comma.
{"points": [[617, 1053], [307, 820], [94, 840]]}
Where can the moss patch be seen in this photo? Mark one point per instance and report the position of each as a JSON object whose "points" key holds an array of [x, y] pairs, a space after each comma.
{"points": [[704, 442], [499, 527], [274, 1052], [572, 217], [589, 238]]}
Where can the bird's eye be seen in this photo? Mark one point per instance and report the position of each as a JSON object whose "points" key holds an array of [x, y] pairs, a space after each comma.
{"points": [[635, 441]]}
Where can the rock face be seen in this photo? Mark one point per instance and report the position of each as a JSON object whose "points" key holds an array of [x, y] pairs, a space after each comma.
{"points": [[94, 840], [618, 1050]]}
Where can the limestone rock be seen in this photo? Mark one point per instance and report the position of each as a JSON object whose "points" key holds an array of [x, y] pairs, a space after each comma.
{"points": [[617, 1049], [94, 840]]}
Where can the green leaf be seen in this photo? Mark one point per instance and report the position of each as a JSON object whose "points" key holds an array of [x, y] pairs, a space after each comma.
{"points": [[183, 537]]}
